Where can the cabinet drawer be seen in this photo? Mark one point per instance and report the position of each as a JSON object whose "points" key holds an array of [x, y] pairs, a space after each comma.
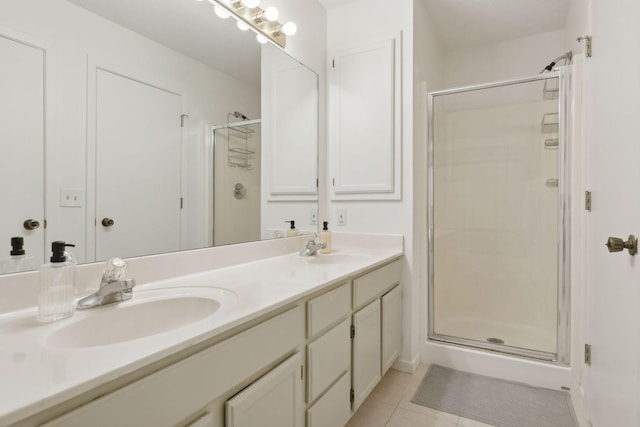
{"points": [[328, 357], [172, 394], [327, 309], [334, 408], [373, 284]]}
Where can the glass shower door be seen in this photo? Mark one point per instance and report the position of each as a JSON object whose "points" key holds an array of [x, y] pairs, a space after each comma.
{"points": [[497, 209]]}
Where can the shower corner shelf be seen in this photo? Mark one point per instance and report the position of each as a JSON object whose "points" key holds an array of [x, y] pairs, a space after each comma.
{"points": [[550, 123], [551, 89], [551, 144]]}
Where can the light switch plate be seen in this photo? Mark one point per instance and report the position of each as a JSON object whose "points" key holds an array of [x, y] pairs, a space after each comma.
{"points": [[71, 197], [342, 217]]}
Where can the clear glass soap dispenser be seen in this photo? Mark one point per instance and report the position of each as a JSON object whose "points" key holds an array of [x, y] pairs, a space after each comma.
{"points": [[56, 299]]}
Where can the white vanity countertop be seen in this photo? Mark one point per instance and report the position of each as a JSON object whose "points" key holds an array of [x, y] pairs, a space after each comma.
{"points": [[38, 372]]}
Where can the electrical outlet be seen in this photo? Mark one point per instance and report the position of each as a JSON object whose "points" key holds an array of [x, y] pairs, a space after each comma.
{"points": [[342, 217], [71, 197], [313, 219]]}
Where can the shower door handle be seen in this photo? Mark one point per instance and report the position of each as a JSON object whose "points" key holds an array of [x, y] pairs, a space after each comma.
{"points": [[616, 244]]}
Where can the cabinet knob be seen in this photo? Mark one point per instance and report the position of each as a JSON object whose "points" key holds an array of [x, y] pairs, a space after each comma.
{"points": [[31, 224]]}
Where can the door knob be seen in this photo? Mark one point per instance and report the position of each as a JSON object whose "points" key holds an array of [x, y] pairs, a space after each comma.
{"points": [[31, 224], [107, 222], [615, 244]]}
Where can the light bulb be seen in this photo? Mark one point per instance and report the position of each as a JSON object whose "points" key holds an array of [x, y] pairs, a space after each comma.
{"points": [[289, 28], [250, 3], [270, 14], [261, 39], [221, 12], [243, 26]]}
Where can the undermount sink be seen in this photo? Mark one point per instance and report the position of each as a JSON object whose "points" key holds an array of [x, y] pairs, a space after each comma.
{"points": [[148, 313], [336, 258]]}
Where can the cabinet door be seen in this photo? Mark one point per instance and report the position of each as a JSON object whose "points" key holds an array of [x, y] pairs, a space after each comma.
{"points": [[391, 327], [275, 400], [366, 351], [365, 122]]}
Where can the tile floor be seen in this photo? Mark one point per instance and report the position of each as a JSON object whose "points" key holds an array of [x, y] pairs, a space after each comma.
{"points": [[389, 405]]}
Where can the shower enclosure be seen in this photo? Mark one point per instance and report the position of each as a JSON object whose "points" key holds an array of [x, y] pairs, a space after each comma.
{"points": [[498, 217], [235, 181]]}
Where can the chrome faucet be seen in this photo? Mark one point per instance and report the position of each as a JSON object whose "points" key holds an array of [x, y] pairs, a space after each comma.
{"points": [[312, 247], [113, 287]]}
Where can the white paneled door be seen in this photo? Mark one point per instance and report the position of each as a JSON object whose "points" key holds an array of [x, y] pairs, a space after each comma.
{"points": [[22, 146], [138, 168], [612, 382]]}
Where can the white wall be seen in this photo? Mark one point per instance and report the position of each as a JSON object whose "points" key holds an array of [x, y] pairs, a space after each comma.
{"points": [[73, 38], [506, 60], [428, 75]]}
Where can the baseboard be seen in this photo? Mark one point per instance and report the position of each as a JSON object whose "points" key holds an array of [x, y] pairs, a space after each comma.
{"points": [[409, 366]]}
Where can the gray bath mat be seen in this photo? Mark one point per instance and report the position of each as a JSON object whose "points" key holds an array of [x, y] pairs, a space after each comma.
{"points": [[493, 401]]}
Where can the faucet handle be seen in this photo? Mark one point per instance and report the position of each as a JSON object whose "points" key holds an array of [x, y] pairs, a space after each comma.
{"points": [[114, 269]]}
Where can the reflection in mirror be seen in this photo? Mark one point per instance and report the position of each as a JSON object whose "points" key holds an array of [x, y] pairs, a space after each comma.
{"points": [[122, 130]]}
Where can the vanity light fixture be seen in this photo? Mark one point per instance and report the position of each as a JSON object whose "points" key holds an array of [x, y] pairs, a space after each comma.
{"points": [[221, 12], [250, 16]]}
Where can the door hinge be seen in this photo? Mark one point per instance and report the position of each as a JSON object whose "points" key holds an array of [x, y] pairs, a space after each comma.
{"points": [[353, 332], [182, 117], [181, 202], [301, 372], [45, 223], [333, 180], [587, 45], [333, 63], [587, 201], [587, 354], [317, 183], [352, 395]]}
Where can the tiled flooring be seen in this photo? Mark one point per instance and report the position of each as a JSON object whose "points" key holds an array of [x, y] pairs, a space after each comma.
{"points": [[389, 405]]}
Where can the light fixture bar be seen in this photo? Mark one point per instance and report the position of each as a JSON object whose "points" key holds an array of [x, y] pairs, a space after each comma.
{"points": [[269, 29]]}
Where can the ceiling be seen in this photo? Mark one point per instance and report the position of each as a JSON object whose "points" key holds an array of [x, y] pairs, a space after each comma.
{"points": [[465, 23], [189, 27]]}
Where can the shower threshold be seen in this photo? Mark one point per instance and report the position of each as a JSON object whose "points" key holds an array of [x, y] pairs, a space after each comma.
{"points": [[496, 347]]}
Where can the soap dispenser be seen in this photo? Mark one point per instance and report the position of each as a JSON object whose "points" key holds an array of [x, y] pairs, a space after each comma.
{"points": [[18, 260], [325, 237], [56, 299], [292, 230]]}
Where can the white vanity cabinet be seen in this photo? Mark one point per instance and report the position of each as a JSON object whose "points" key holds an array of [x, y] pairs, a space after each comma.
{"points": [[311, 365], [199, 384], [377, 327]]}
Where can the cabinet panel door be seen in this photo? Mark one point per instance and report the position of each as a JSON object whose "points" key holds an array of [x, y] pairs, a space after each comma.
{"points": [[329, 357], [366, 351], [365, 122], [275, 400], [391, 327], [334, 408]]}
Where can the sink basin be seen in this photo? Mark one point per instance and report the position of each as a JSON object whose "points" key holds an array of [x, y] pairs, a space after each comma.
{"points": [[336, 258], [148, 313]]}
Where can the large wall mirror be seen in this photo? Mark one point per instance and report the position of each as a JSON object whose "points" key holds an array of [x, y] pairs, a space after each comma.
{"points": [[140, 127]]}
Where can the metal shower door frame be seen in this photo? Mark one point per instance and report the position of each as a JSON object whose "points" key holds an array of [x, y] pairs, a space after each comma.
{"points": [[563, 347]]}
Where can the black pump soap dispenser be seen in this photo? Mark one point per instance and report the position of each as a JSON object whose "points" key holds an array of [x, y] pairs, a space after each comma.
{"points": [[292, 230], [18, 260]]}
